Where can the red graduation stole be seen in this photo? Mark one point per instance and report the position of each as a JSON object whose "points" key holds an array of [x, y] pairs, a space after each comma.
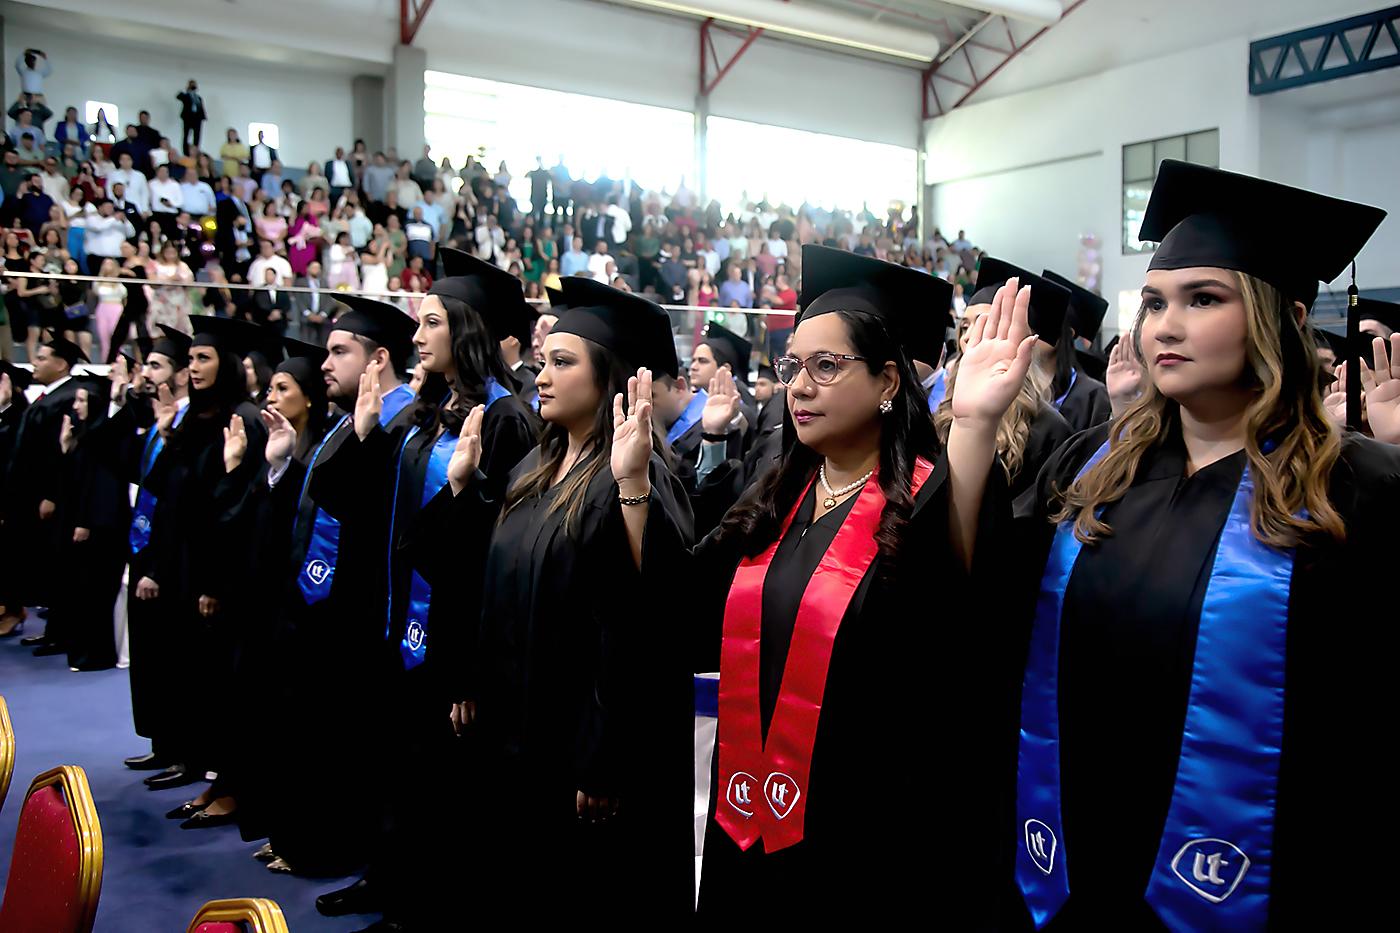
{"points": [[764, 784]]}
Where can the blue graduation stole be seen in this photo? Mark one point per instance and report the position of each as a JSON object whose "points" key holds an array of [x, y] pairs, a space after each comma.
{"points": [[1073, 378], [318, 569], [414, 645], [694, 409], [937, 390], [140, 535], [1213, 864]]}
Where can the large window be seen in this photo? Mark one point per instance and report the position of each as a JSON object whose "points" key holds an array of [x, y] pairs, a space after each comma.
{"points": [[753, 162], [1140, 164], [512, 123]]}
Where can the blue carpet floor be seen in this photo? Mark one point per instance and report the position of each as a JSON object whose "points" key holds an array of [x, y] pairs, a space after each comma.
{"points": [[155, 875]]}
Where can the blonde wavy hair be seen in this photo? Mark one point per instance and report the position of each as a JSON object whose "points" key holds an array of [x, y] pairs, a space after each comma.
{"points": [[1291, 501], [1014, 429]]}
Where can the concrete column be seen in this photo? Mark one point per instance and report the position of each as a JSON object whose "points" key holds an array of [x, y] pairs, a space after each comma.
{"points": [[403, 101], [702, 149], [367, 119]]}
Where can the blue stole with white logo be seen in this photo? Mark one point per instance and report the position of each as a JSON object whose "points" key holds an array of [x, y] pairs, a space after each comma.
{"points": [[937, 389], [1213, 864], [1073, 378], [318, 568], [414, 645], [145, 499], [694, 409]]}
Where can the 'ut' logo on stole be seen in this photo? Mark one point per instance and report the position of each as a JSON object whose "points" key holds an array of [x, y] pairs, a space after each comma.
{"points": [[317, 571], [415, 635], [1040, 845], [781, 792], [1213, 868], [740, 792]]}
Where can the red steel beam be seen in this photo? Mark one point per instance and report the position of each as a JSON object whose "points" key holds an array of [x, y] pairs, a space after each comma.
{"points": [[707, 48], [411, 14]]}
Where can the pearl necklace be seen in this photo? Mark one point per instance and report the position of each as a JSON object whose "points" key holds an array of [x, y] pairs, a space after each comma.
{"points": [[833, 494]]}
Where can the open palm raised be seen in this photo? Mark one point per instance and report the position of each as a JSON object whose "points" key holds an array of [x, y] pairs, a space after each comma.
{"points": [[998, 355], [1382, 387], [631, 447]]}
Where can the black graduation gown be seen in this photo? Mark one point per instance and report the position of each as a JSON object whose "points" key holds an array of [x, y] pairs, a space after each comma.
{"points": [[1049, 430], [524, 379], [583, 686], [10, 420], [1128, 636], [95, 498], [35, 474], [907, 779], [1086, 404]]}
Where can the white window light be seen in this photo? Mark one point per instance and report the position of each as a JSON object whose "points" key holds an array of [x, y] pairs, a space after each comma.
{"points": [[270, 134], [108, 110]]}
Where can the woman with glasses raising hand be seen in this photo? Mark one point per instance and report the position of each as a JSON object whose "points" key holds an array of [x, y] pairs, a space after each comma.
{"points": [[844, 694]]}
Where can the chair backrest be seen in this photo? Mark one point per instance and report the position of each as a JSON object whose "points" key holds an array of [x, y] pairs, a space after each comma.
{"points": [[7, 751], [235, 915], [56, 870]]}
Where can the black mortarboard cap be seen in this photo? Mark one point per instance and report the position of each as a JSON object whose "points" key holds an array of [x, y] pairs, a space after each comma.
{"points": [[66, 350], [20, 378], [1049, 301], [1203, 216], [379, 321], [1086, 310], [173, 344], [303, 363], [228, 335], [729, 348], [496, 295], [1338, 342], [1385, 312], [766, 371], [915, 306], [635, 329], [557, 304]]}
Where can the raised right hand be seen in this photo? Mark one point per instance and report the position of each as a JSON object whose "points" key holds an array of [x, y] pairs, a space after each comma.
{"points": [[722, 405], [121, 378], [146, 588], [631, 448], [1382, 387], [165, 408], [466, 456], [1124, 375], [7, 390], [235, 443], [65, 435], [369, 403]]}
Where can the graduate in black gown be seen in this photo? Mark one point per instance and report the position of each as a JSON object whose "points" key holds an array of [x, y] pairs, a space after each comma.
{"points": [[13, 403], [829, 600], [1201, 693], [765, 442], [203, 557], [330, 610], [32, 490], [1086, 314], [719, 348], [582, 699], [96, 523]]}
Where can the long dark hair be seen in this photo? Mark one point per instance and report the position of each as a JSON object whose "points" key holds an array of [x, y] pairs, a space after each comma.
{"points": [[262, 371], [218, 402], [610, 375], [315, 391], [906, 433], [476, 356], [1064, 362]]}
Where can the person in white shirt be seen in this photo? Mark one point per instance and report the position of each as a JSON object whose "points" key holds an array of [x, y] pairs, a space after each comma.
{"points": [[621, 223], [777, 246], [962, 243], [261, 156], [198, 196], [137, 191], [599, 262], [103, 235], [267, 259], [166, 199], [55, 185]]}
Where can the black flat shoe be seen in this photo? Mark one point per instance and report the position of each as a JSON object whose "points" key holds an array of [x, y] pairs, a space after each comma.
{"points": [[186, 810], [202, 820], [33, 640], [48, 649], [168, 779], [358, 898], [147, 762]]}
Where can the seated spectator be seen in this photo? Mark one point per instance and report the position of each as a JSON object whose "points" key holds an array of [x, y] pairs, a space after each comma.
{"points": [[197, 196], [734, 292], [422, 237], [379, 176], [135, 188], [245, 185], [575, 260], [72, 131], [408, 190], [268, 258], [270, 181], [25, 126], [312, 180], [271, 228], [599, 262]]}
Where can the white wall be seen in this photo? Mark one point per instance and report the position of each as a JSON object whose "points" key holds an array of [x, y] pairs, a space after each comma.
{"points": [[311, 108]]}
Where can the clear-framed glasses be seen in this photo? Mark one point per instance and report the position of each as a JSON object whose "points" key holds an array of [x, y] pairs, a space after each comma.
{"points": [[822, 367]]}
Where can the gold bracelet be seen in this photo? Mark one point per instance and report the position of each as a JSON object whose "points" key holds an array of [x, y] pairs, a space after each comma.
{"points": [[634, 500]]}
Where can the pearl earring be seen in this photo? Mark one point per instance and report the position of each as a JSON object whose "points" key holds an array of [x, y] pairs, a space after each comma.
{"points": [[886, 407]]}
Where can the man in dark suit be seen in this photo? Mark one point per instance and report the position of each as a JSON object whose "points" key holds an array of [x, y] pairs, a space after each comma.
{"points": [[272, 306], [311, 310], [192, 115], [32, 489]]}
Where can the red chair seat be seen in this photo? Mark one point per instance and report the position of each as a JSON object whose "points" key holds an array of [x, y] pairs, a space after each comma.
{"points": [[43, 892]]}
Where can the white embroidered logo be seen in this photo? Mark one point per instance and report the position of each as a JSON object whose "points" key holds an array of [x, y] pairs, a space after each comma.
{"points": [[415, 635], [1217, 867], [740, 792], [781, 792], [317, 571], [1040, 844]]}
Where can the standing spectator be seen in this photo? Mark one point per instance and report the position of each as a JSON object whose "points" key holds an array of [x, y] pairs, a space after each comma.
{"points": [[147, 134], [267, 257], [379, 176], [311, 309], [600, 260], [359, 161], [317, 204], [169, 303], [33, 67], [408, 190], [271, 228], [374, 263], [344, 270], [767, 262], [422, 238], [55, 185], [303, 240], [286, 199], [312, 180], [103, 235], [340, 176], [432, 213], [736, 291], [270, 181], [75, 211], [71, 131], [575, 260], [271, 304], [192, 114], [234, 153], [25, 126], [539, 190], [244, 185], [134, 147], [502, 178], [34, 205], [261, 158], [196, 196], [103, 134], [164, 154], [111, 299], [398, 246], [130, 211], [424, 171], [416, 279], [166, 199], [962, 244], [562, 185]]}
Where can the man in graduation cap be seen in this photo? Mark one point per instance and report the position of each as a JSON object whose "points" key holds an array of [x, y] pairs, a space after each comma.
{"points": [[32, 489], [1378, 318], [1086, 313], [331, 612], [1081, 399]]}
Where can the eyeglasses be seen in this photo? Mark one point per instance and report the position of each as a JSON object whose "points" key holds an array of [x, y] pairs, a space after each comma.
{"points": [[822, 367]]}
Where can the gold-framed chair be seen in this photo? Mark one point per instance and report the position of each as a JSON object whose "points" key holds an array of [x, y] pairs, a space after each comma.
{"points": [[7, 751], [239, 915], [56, 870]]}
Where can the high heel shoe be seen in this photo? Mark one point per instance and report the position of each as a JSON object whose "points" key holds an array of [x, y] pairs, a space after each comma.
{"points": [[186, 810], [14, 631]]}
